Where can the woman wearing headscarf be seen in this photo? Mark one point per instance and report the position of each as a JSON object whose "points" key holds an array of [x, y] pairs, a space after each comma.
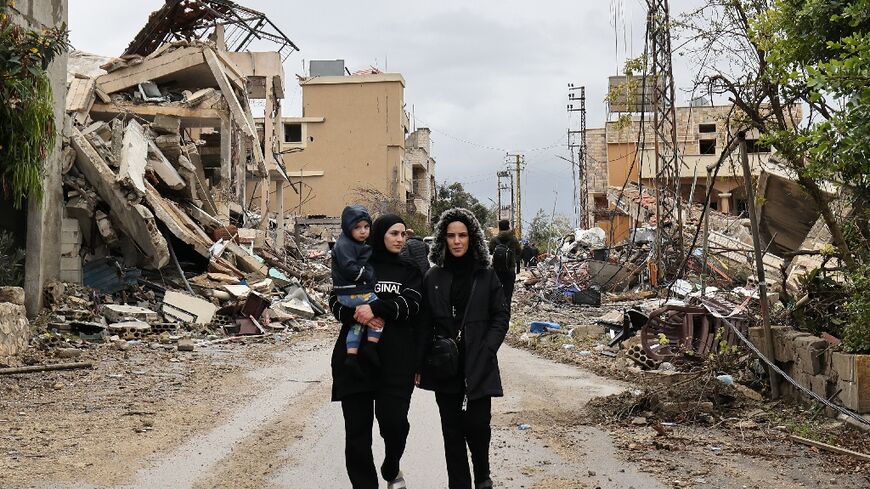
{"points": [[382, 391], [463, 302]]}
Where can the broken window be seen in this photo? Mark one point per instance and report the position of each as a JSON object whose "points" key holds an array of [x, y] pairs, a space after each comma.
{"points": [[707, 146], [293, 132], [756, 146], [706, 128]]}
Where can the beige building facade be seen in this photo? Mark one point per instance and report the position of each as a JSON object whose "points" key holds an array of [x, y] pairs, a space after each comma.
{"points": [[348, 143], [420, 166], [702, 136]]}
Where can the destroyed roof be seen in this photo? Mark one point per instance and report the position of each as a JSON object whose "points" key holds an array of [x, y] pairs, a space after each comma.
{"points": [[196, 20]]}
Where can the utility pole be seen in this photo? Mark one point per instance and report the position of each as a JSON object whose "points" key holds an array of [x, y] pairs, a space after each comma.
{"points": [[519, 160], [506, 186], [581, 187], [669, 242], [572, 145], [759, 263]]}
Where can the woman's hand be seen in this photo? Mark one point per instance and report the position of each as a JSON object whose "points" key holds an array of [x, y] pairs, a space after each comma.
{"points": [[363, 314], [376, 323]]}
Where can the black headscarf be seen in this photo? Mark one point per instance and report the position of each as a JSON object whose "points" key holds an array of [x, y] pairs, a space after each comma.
{"points": [[376, 238]]}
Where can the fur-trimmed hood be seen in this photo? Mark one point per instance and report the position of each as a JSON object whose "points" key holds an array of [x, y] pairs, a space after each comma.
{"points": [[477, 241]]}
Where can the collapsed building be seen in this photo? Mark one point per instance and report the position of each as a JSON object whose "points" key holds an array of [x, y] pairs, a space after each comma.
{"points": [[159, 148]]}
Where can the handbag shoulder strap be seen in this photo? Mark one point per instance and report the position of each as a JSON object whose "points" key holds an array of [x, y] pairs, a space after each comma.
{"points": [[465, 314]]}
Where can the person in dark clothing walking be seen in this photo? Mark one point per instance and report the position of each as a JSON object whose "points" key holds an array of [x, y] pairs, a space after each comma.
{"points": [[383, 392], [464, 300], [526, 254], [416, 250], [505, 250]]}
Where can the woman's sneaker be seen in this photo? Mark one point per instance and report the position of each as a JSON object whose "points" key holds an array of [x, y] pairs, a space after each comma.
{"points": [[484, 484], [398, 482]]}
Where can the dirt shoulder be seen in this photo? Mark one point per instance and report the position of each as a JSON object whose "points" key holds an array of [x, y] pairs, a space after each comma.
{"points": [[731, 441], [98, 426]]}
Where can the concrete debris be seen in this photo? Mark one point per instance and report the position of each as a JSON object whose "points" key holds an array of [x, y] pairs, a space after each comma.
{"points": [[186, 308], [117, 313]]}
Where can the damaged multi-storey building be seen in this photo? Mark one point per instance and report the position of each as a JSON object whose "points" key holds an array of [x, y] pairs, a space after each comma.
{"points": [[157, 147]]}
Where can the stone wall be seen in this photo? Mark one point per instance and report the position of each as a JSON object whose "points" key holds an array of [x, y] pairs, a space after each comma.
{"points": [[14, 328], [813, 363]]}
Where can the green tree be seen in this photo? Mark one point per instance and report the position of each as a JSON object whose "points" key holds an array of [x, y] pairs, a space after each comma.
{"points": [[770, 55], [819, 52], [546, 229], [454, 195]]}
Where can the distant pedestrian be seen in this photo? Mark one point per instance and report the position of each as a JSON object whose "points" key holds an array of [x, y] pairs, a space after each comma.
{"points": [[416, 250], [533, 261], [505, 250], [383, 392], [527, 254], [464, 323]]}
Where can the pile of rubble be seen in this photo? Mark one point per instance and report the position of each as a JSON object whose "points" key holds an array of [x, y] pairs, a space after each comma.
{"points": [[159, 236]]}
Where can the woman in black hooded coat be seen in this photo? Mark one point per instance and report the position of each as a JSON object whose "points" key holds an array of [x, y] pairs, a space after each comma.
{"points": [[382, 391], [462, 293]]}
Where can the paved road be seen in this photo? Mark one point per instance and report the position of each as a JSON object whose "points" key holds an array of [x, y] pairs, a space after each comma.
{"points": [[290, 436]]}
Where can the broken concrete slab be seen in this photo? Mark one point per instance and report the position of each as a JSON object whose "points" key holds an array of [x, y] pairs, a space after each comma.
{"points": [[245, 261], [238, 291], [136, 221], [163, 168], [185, 308], [116, 313], [178, 222], [166, 124], [222, 278], [294, 307], [134, 157], [124, 76], [80, 97], [104, 227]]}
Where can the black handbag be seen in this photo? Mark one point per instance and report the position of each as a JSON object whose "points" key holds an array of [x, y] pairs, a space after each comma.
{"points": [[443, 358]]}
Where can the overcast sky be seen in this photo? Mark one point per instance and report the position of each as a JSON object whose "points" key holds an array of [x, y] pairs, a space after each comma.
{"points": [[487, 77]]}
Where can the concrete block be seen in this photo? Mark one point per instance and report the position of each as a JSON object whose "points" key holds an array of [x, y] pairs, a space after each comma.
{"points": [[130, 330], [821, 385], [166, 124], [756, 336], [116, 313], [843, 364], [849, 396], [862, 380], [185, 308], [808, 353], [185, 344], [12, 295]]}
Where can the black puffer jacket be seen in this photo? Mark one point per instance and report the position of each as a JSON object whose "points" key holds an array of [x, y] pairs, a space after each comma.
{"points": [[486, 320], [398, 303], [486, 324]]}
